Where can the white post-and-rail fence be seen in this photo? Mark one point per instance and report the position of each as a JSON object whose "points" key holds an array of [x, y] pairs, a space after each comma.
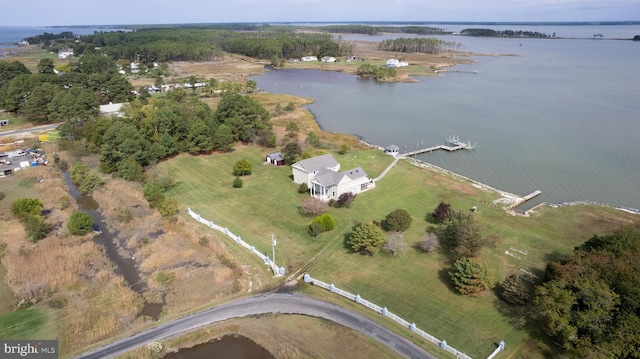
{"points": [[385, 312], [277, 271]]}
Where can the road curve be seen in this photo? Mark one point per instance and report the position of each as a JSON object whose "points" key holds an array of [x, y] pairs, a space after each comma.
{"points": [[287, 303]]}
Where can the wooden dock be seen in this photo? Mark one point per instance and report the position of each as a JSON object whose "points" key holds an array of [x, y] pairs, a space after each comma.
{"points": [[524, 199], [453, 144]]}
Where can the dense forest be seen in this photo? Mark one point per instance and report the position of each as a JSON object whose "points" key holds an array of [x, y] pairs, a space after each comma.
{"points": [[202, 44], [504, 33], [421, 45], [74, 93]]}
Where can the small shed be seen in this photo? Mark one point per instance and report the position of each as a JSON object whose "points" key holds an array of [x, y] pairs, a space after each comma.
{"points": [[392, 150], [275, 159]]}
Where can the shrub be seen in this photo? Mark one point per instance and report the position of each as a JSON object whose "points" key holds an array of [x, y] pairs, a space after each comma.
{"points": [[36, 227], [153, 194], [303, 188], [23, 207], [442, 212], [343, 149], [242, 168], [328, 224], [84, 179], [395, 243], [322, 223], [316, 227], [310, 206], [345, 200], [168, 207], [398, 221], [429, 243], [237, 182], [80, 223]]}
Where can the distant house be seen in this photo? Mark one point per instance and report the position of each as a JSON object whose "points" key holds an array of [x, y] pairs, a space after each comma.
{"points": [[275, 159], [23, 43], [322, 176], [309, 58], [112, 109], [396, 63], [64, 53], [328, 59]]}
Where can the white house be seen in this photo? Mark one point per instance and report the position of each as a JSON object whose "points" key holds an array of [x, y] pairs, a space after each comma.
{"points": [[64, 53], [309, 58], [396, 63], [325, 182], [304, 171], [328, 59], [112, 109]]}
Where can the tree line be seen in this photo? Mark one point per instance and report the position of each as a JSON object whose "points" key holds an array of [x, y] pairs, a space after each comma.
{"points": [[417, 45], [375, 30], [503, 33]]}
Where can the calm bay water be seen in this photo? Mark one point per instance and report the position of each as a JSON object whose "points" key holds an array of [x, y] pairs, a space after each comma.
{"points": [[561, 116]]}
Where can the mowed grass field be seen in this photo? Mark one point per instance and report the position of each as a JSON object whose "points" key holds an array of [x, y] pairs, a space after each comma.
{"points": [[412, 284]]}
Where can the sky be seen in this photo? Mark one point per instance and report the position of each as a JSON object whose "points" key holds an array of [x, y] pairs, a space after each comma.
{"points": [[117, 12]]}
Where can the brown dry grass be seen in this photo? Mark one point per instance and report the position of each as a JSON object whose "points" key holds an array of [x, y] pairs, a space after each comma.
{"points": [[170, 248]]}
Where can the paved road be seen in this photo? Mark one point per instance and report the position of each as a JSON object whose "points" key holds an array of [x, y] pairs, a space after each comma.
{"points": [[31, 129], [289, 303]]}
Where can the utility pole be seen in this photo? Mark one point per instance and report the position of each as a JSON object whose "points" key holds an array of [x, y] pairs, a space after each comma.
{"points": [[273, 248]]}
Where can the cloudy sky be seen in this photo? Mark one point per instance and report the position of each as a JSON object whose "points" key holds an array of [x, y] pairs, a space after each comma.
{"points": [[112, 12]]}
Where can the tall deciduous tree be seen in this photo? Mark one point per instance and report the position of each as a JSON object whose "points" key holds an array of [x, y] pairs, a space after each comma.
{"points": [[463, 233]]}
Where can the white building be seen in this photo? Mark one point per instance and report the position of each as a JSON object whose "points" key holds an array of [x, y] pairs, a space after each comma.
{"points": [[396, 63], [309, 58], [325, 182], [64, 53], [112, 109]]}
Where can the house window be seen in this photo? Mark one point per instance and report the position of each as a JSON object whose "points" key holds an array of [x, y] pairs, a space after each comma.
{"points": [[364, 186]]}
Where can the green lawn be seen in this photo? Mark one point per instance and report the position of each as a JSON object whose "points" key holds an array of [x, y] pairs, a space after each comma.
{"points": [[32, 323], [413, 285]]}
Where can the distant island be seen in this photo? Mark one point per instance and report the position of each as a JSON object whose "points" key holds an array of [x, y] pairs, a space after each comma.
{"points": [[504, 33]]}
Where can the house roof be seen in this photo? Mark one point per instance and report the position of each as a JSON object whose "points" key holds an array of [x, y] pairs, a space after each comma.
{"points": [[276, 156], [317, 163], [327, 178], [111, 108]]}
